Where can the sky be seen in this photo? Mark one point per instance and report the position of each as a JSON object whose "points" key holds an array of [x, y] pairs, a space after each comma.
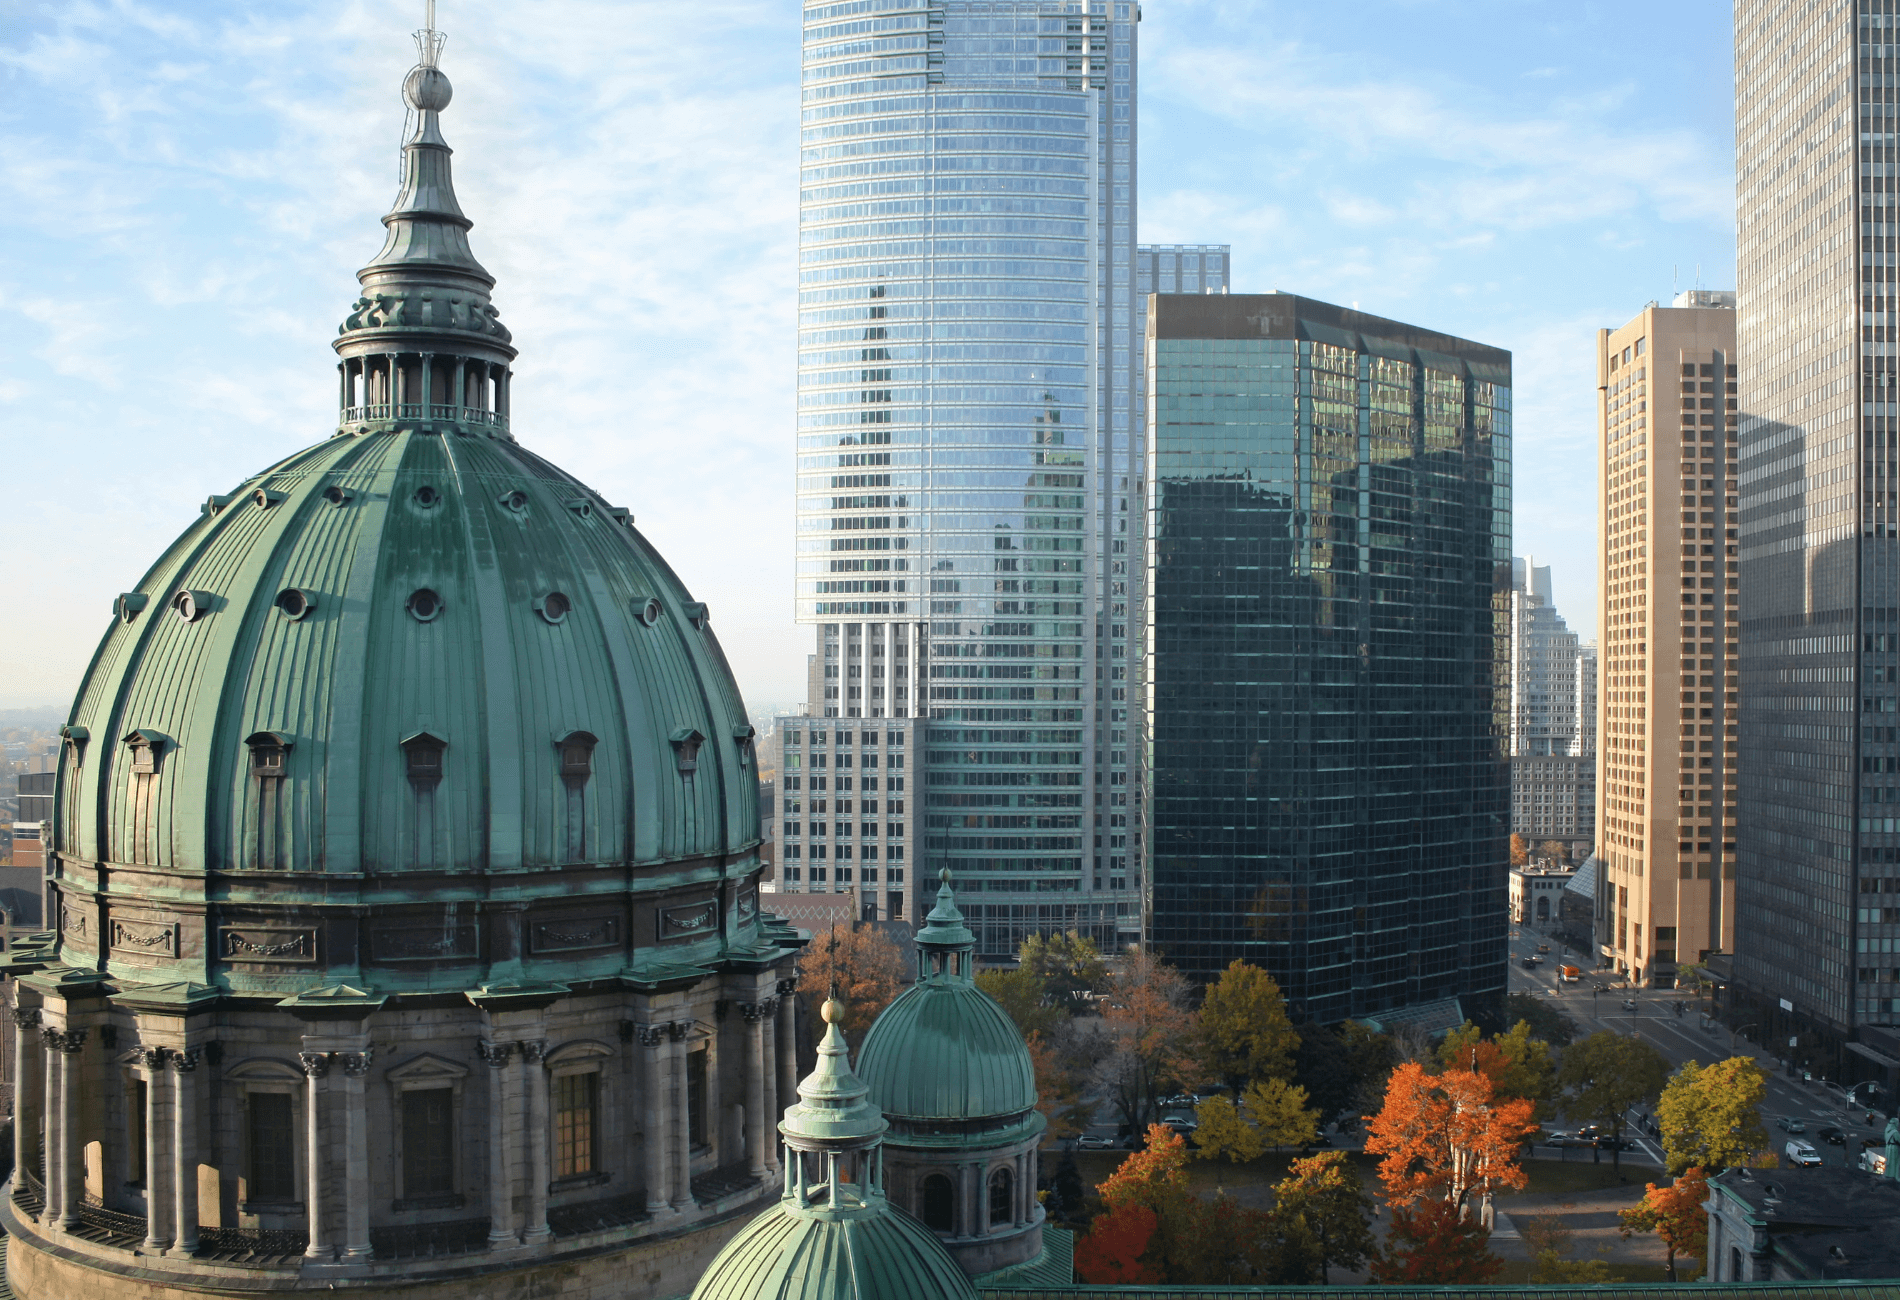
{"points": [[187, 191]]}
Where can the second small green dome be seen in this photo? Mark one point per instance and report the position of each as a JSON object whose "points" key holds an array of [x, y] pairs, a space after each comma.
{"points": [[946, 1050]]}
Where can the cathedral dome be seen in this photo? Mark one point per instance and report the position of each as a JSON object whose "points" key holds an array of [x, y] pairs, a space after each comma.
{"points": [[399, 674], [946, 1050]]}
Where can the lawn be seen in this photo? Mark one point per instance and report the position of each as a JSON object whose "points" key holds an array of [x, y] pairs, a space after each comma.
{"points": [[1547, 1177], [1551, 1177]]}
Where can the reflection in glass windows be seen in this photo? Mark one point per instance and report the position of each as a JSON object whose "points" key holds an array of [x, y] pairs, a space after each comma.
{"points": [[1328, 653]]}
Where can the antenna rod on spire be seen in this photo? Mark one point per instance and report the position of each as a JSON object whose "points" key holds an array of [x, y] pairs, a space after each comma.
{"points": [[428, 40]]}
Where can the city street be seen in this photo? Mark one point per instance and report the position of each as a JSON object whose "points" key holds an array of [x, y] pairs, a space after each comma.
{"points": [[1593, 1003]]}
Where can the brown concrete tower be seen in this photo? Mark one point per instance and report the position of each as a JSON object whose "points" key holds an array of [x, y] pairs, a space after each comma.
{"points": [[1668, 695]]}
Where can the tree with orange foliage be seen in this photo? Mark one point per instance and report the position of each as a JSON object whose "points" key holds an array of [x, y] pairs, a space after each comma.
{"points": [[1448, 1137], [1674, 1214], [1433, 1245], [865, 967], [1110, 1255]]}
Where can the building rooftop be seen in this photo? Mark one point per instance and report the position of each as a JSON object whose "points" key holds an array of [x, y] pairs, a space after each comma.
{"points": [[1824, 1222]]}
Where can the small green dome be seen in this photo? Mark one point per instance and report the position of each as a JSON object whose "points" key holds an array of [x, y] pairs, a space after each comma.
{"points": [[879, 1254], [945, 1049]]}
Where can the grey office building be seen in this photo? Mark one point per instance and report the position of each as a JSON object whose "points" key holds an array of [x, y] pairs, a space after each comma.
{"points": [[1817, 929], [1328, 644]]}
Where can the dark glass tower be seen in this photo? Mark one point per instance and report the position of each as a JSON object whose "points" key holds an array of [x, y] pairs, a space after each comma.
{"points": [[1327, 665]]}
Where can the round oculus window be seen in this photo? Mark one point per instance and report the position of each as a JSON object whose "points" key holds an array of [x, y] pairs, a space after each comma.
{"points": [[294, 604], [427, 497], [648, 610], [516, 501], [424, 605], [191, 605], [554, 606]]}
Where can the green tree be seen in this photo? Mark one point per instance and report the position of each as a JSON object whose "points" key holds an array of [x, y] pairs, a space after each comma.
{"points": [[1546, 1021], [1711, 1115], [1517, 1064], [1549, 1239], [1221, 1130], [1244, 1033], [1373, 1056], [1325, 1193], [1606, 1074], [1279, 1110], [1023, 994], [1432, 1244], [1068, 966]]}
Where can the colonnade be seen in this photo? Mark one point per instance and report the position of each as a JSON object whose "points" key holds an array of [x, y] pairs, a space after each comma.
{"points": [[339, 1190], [385, 391]]}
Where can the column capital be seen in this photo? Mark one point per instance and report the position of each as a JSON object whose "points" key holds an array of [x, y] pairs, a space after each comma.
{"points": [[494, 1054], [752, 1011], [26, 1017], [532, 1053], [787, 987], [677, 1028], [650, 1035], [315, 1064], [356, 1064], [70, 1041], [153, 1058], [184, 1060]]}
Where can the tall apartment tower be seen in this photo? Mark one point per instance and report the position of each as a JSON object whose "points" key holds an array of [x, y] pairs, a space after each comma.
{"points": [[969, 531], [1327, 654], [1666, 790], [1816, 956], [1553, 773]]}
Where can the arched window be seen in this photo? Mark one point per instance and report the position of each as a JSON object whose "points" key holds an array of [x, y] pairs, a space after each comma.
{"points": [[940, 1204], [1002, 1209], [1735, 1265]]}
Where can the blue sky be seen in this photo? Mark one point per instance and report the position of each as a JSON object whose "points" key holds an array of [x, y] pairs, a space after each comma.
{"points": [[186, 191]]}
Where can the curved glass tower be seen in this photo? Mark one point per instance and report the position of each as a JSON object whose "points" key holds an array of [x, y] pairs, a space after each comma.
{"points": [[967, 247]]}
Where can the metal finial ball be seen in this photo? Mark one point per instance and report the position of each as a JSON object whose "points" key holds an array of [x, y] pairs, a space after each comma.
{"points": [[426, 90], [832, 1011]]}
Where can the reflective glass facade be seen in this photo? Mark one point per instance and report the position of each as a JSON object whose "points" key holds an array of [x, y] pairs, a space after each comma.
{"points": [[1817, 951], [966, 387], [1328, 652]]}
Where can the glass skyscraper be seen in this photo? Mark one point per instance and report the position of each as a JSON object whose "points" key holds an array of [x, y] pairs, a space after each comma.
{"points": [[1329, 637], [1817, 933], [967, 553]]}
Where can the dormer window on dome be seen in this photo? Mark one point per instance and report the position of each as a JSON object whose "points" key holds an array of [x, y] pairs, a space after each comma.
{"points": [[146, 747], [268, 751], [422, 755], [577, 757], [742, 737], [128, 606], [686, 743], [191, 605]]}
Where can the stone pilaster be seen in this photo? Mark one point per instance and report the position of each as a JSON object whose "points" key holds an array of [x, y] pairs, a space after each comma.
{"points": [[356, 1193], [66, 1046], [681, 1155], [653, 1116], [501, 1215], [787, 1048], [53, 1173], [769, 1051], [184, 1065], [755, 1068], [532, 1057]]}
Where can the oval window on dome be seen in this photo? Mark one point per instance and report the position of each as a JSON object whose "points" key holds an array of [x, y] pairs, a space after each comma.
{"points": [[191, 605], [553, 606], [293, 603], [424, 605], [338, 496], [647, 609], [427, 497], [516, 501], [128, 605]]}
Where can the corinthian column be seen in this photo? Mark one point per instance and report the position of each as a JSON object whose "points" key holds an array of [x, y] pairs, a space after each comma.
{"points": [[537, 1228], [754, 1013], [72, 1173], [356, 1243], [29, 1094], [315, 1066], [53, 1159], [184, 1152], [787, 1048], [769, 1069], [653, 1112], [158, 1207], [501, 1233]]}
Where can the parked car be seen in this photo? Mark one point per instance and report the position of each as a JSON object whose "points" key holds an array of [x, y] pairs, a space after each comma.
{"points": [[1830, 1134], [1800, 1153], [1591, 1131], [1629, 1004], [1188, 1099], [1095, 1142], [1789, 1124]]}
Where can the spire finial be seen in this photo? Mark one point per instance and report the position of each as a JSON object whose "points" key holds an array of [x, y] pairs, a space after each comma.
{"points": [[429, 41]]}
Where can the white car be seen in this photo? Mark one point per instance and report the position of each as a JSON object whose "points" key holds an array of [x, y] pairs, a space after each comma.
{"points": [[1801, 1153]]}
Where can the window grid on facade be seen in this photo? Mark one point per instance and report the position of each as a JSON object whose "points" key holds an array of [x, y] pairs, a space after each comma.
{"points": [[273, 1172], [576, 1119]]}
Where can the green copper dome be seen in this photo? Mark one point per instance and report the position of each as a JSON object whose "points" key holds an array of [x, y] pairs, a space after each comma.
{"points": [[945, 1050], [411, 709], [834, 1235]]}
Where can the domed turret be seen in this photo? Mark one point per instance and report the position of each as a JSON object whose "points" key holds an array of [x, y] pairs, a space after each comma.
{"points": [[951, 1073], [834, 1235], [405, 871]]}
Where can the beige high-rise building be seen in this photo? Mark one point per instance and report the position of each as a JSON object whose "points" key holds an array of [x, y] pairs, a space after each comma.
{"points": [[1666, 718]]}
